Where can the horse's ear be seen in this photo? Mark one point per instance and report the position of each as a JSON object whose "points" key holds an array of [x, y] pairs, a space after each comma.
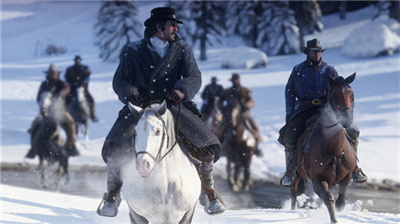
{"points": [[351, 78], [162, 108], [135, 110], [331, 80]]}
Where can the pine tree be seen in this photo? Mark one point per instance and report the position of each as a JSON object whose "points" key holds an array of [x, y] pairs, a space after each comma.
{"points": [[116, 27], [203, 22], [279, 33]]}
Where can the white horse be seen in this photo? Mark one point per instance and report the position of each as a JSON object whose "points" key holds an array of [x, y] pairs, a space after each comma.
{"points": [[161, 185], [80, 111]]}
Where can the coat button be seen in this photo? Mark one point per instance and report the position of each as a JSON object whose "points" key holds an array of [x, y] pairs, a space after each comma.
{"points": [[154, 80], [166, 79], [151, 66], [151, 91], [165, 90], [168, 65]]}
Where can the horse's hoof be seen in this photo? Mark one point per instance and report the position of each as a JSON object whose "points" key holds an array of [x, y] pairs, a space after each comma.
{"points": [[235, 188]]}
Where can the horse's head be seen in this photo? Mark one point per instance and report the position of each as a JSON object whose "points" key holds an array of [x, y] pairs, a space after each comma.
{"points": [[45, 99], [51, 105], [341, 99], [154, 133], [233, 111], [80, 94]]}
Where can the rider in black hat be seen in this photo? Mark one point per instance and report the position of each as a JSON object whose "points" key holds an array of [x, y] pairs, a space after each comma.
{"points": [[78, 76], [305, 93], [159, 67]]}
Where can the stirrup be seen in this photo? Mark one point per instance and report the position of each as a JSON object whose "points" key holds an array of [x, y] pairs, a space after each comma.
{"points": [[286, 179], [360, 176], [117, 201], [215, 207]]}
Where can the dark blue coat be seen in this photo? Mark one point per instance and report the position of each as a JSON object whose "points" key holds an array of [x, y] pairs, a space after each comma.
{"points": [[307, 82], [142, 71]]}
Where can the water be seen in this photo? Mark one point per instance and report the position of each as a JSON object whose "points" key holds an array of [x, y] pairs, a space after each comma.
{"points": [[91, 183]]}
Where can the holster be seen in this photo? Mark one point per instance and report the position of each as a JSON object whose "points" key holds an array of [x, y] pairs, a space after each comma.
{"points": [[190, 105]]}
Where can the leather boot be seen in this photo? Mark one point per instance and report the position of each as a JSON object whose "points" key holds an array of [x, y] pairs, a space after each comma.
{"points": [[287, 179], [111, 199], [214, 205], [358, 175]]}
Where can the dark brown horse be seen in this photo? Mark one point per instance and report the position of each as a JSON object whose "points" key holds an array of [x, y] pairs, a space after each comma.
{"points": [[330, 158], [239, 146]]}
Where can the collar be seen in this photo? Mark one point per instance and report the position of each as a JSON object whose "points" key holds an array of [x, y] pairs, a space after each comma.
{"points": [[159, 46]]}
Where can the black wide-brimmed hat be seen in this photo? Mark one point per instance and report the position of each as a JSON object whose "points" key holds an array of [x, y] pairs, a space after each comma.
{"points": [[162, 13], [77, 57], [313, 44], [235, 76]]}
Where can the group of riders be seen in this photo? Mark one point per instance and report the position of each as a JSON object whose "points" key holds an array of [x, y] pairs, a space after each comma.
{"points": [[76, 76], [162, 67]]}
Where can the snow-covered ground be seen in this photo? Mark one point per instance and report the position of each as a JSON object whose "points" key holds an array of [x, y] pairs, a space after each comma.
{"points": [[28, 26]]}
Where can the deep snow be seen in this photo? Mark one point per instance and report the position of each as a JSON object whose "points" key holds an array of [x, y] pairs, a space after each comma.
{"points": [[28, 26]]}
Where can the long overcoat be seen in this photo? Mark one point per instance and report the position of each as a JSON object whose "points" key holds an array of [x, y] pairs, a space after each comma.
{"points": [[142, 71]]}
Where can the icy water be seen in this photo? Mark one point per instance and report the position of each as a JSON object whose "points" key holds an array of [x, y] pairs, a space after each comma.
{"points": [[91, 182]]}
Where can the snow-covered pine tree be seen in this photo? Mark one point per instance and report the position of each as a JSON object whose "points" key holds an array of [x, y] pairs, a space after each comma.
{"points": [[203, 21], [243, 17], [116, 27], [278, 32]]}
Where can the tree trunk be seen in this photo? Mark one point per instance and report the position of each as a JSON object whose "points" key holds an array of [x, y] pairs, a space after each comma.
{"points": [[342, 9]]}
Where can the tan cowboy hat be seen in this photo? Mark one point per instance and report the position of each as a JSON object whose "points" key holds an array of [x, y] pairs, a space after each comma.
{"points": [[313, 44], [162, 13]]}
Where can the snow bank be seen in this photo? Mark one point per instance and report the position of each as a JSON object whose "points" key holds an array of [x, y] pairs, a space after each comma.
{"points": [[244, 58], [373, 39]]}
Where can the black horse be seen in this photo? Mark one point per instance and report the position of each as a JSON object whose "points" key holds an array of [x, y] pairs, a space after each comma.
{"points": [[48, 140]]}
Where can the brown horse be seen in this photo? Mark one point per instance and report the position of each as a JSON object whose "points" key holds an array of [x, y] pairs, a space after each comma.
{"points": [[239, 146], [331, 158]]}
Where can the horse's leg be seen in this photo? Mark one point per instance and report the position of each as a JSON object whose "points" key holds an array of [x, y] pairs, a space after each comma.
{"points": [[229, 168], [187, 218], [86, 133], [294, 191], [236, 174], [135, 218], [42, 174], [321, 188], [246, 173], [343, 184]]}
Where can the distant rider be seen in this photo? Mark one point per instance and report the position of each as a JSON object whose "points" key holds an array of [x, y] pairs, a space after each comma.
{"points": [[57, 87], [78, 76], [210, 94]]}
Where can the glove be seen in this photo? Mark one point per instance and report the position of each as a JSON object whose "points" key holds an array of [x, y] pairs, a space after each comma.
{"points": [[288, 117], [136, 100], [176, 95]]}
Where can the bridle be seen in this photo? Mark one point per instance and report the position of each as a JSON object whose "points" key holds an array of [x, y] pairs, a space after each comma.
{"points": [[158, 158]]}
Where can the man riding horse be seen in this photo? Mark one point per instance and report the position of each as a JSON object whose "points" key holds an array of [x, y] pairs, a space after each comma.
{"points": [[210, 93], [244, 96], [78, 76], [159, 67], [56, 87], [305, 93]]}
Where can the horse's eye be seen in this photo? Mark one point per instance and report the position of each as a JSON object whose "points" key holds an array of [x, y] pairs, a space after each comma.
{"points": [[158, 132]]}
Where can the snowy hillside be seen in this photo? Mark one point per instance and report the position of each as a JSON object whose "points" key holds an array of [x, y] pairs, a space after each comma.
{"points": [[27, 27]]}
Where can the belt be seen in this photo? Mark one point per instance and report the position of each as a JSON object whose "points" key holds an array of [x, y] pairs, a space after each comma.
{"points": [[315, 101]]}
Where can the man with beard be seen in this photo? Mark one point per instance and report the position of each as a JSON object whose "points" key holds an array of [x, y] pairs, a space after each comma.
{"points": [[306, 93], [159, 67]]}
